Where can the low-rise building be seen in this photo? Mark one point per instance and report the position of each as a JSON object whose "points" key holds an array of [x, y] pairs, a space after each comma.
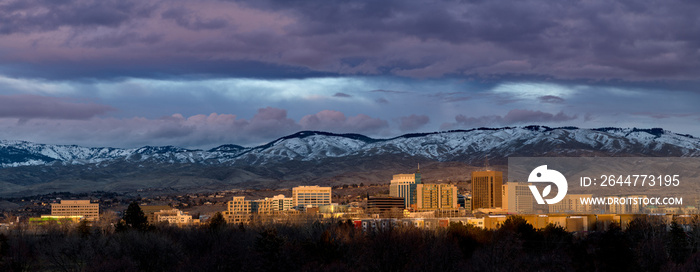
{"points": [[175, 216], [388, 206], [84, 208], [278, 203], [150, 211], [314, 196]]}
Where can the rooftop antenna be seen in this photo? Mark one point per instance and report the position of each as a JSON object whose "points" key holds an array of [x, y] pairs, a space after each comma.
{"points": [[418, 171], [486, 162]]}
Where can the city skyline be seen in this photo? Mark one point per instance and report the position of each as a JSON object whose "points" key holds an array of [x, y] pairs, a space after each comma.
{"points": [[135, 73]]}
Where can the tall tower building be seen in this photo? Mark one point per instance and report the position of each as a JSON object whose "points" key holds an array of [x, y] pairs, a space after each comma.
{"points": [[487, 189], [404, 185], [517, 198]]}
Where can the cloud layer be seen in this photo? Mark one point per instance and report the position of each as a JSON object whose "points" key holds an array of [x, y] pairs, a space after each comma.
{"points": [[629, 40], [33, 106], [104, 72], [194, 131], [513, 117]]}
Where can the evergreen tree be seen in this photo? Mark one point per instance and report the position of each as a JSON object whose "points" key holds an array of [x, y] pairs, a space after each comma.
{"points": [[217, 221], [678, 246], [135, 218]]}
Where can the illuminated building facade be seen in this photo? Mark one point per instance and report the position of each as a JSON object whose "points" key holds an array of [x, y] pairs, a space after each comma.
{"points": [[487, 189], [404, 186], [517, 198], [436, 197], [89, 211], [314, 196]]}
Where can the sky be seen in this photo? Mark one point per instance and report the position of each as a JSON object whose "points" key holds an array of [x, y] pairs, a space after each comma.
{"points": [[198, 74]]}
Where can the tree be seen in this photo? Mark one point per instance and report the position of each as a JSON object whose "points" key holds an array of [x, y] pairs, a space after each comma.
{"points": [[217, 221], [678, 246], [135, 218], [84, 228]]}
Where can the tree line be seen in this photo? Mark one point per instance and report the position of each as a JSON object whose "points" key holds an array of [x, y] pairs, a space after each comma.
{"points": [[134, 245]]}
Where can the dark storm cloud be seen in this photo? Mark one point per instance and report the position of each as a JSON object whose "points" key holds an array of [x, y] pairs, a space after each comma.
{"points": [[590, 39], [513, 117], [382, 100], [553, 99], [389, 91], [33, 106], [657, 115], [451, 96], [45, 15], [582, 40], [344, 95]]}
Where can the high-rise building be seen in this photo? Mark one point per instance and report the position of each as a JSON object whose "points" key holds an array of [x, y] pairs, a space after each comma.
{"points": [[89, 211], [486, 189], [517, 198], [271, 205], [238, 210], [404, 186], [436, 197], [314, 196]]}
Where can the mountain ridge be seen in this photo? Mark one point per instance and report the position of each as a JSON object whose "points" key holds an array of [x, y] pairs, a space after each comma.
{"points": [[313, 157], [312, 145]]}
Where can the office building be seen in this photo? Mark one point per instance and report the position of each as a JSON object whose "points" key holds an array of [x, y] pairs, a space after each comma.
{"points": [[517, 198], [150, 211], [404, 186], [487, 189], [271, 205], [436, 197], [314, 196], [238, 211], [385, 205], [89, 211], [174, 216]]}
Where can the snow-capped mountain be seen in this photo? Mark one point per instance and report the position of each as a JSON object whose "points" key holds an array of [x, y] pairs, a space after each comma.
{"points": [[311, 157], [460, 145]]}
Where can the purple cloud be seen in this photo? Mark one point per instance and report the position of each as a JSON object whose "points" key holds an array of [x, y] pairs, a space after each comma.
{"points": [[336, 121], [412, 122], [40, 16], [33, 106], [587, 40], [187, 19], [195, 131]]}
